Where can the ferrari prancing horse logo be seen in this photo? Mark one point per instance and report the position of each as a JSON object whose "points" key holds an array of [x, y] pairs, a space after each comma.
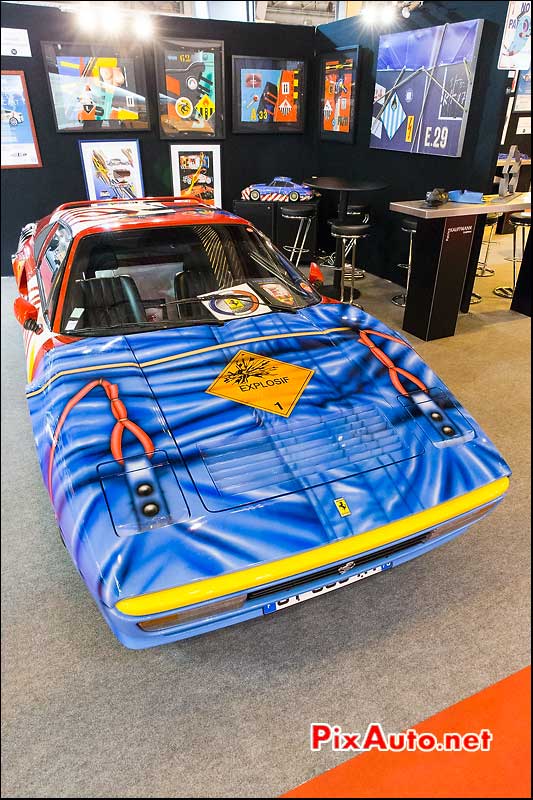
{"points": [[262, 382]]}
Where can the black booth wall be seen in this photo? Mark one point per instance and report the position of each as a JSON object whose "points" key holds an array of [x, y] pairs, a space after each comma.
{"points": [[31, 193], [410, 176]]}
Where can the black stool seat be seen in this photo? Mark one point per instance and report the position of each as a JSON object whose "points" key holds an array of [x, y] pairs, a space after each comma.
{"points": [[492, 218], [353, 208], [521, 218], [409, 224], [345, 229], [295, 212]]}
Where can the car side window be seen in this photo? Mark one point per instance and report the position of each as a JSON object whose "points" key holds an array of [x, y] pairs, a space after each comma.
{"points": [[53, 259], [40, 240]]}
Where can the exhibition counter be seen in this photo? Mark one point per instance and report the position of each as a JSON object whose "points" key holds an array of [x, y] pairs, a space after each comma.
{"points": [[444, 260]]}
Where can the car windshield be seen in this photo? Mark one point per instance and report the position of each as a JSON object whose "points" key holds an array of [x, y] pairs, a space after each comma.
{"points": [[166, 277]]}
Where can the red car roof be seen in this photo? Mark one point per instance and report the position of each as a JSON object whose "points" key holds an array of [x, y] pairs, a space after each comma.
{"points": [[103, 215]]}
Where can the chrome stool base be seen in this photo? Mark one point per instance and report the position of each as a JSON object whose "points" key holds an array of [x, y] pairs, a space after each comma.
{"points": [[484, 272], [399, 300], [407, 227], [358, 274], [506, 292], [475, 298]]}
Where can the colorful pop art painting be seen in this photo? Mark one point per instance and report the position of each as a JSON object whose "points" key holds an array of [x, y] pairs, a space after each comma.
{"points": [[96, 88]]}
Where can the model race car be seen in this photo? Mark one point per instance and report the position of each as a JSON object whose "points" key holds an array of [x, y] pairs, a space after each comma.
{"points": [[218, 443], [278, 190], [12, 117]]}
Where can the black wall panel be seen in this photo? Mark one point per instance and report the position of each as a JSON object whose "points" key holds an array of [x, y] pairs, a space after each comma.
{"points": [[410, 176], [29, 194]]}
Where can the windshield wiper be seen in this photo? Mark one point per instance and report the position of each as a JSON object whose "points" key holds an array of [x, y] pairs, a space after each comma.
{"points": [[225, 296], [180, 323]]}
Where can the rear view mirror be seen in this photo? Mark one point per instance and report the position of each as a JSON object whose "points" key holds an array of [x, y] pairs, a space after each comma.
{"points": [[26, 314]]}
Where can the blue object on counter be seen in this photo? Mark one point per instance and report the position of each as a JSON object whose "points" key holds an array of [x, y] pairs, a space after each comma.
{"points": [[465, 196]]}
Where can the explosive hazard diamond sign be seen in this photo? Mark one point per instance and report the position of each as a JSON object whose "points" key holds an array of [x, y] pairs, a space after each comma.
{"points": [[262, 382]]}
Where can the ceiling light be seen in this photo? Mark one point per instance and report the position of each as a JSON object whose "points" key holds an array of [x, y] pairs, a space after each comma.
{"points": [[143, 25], [388, 14], [406, 12], [370, 13], [85, 17], [113, 18]]}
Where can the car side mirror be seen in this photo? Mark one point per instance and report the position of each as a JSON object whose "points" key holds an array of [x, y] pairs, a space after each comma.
{"points": [[316, 276], [26, 314]]}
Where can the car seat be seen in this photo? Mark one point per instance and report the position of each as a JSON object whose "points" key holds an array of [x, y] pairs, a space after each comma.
{"points": [[110, 301], [197, 278]]}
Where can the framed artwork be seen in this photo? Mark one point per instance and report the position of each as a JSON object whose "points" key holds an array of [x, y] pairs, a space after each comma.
{"points": [[515, 48], [112, 169], [19, 140], [96, 88], [423, 87], [522, 100], [268, 95], [196, 172], [190, 87], [339, 74]]}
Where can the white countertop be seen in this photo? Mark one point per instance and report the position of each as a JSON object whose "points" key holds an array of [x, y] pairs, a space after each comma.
{"points": [[418, 208]]}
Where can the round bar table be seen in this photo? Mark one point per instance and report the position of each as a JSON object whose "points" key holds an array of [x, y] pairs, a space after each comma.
{"points": [[345, 187]]}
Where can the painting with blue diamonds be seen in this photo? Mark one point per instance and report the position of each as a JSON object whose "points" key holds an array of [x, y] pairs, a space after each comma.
{"points": [[424, 83]]}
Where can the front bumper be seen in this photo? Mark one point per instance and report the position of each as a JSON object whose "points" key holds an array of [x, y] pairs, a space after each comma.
{"points": [[267, 583]]}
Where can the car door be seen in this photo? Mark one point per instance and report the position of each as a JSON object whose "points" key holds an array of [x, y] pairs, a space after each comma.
{"points": [[50, 265]]}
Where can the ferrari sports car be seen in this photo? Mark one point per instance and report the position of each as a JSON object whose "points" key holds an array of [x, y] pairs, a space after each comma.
{"points": [[279, 189], [217, 442]]}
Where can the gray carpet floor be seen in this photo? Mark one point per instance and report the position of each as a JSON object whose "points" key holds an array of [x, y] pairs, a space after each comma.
{"points": [[228, 714]]}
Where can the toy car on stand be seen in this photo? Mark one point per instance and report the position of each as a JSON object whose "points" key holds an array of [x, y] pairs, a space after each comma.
{"points": [[219, 444], [279, 189]]}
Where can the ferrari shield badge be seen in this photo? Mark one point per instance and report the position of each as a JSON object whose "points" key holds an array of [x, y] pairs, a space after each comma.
{"points": [[262, 382]]}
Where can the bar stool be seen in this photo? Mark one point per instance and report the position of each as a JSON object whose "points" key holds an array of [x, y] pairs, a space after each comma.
{"points": [[305, 217], [522, 220], [360, 215], [408, 226], [482, 270], [349, 234]]}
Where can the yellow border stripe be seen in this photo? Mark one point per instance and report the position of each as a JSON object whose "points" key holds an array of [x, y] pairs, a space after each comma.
{"points": [[246, 579], [188, 353]]}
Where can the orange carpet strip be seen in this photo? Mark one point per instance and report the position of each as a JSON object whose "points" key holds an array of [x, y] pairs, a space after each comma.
{"points": [[504, 771]]}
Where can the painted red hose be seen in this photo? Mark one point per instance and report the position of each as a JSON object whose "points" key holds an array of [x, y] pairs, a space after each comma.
{"points": [[120, 413], [394, 371]]}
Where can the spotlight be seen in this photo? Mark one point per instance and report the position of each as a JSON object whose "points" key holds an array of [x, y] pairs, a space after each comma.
{"points": [[370, 13], [143, 26], [113, 18], [406, 12], [388, 13], [85, 16]]}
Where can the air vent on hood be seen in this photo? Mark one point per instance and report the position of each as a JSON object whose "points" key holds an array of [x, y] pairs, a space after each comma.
{"points": [[337, 444]]}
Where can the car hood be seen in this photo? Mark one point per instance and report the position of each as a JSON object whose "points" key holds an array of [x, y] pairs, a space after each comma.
{"points": [[272, 434], [270, 405]]}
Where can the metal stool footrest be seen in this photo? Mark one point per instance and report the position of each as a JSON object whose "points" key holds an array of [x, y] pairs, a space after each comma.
{"points": [[504, 291], [475, 298], [399, 300]]}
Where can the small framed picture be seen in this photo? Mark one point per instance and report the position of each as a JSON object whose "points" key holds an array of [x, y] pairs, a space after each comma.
{"points": [[112, 169], [19, 140], [268, 95], [196, 172], [339, 79], [190, 87], [96, 88]]}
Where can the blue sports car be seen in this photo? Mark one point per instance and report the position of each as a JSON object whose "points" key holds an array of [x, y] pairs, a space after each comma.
{"points": [[218, 443], [279, 189]]}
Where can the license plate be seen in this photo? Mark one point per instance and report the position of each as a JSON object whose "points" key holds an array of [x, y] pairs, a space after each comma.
{"points": [[270, 608]]}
